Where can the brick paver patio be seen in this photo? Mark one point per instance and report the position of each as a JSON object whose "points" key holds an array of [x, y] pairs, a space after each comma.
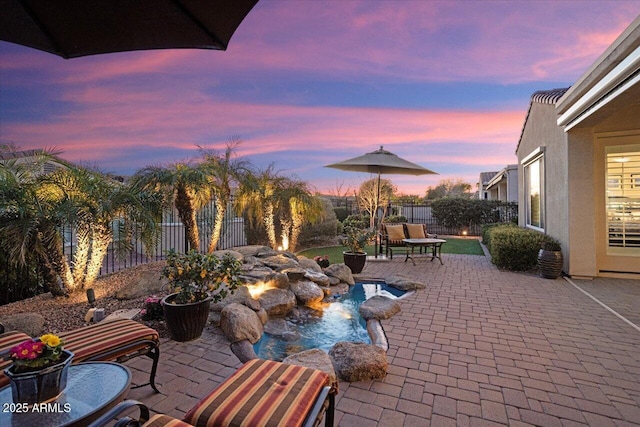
{"points": [[478, 347]]}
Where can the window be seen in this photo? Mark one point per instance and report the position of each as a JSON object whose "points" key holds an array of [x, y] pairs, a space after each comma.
{"points": [[623, 199], [534, 189]]}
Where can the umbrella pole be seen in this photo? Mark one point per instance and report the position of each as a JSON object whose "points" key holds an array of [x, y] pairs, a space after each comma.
{"points": [[375, 219]]}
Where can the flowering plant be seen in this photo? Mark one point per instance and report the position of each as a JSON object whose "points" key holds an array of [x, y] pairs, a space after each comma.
{"points": [[356, 239], [152, 309], [195, 276], [322, 260], [36, 353]]}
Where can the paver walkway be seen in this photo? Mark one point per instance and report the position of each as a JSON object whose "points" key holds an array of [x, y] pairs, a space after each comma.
{"points": [[478, 347]]}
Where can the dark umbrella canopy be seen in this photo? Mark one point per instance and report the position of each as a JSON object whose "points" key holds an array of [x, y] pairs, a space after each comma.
{"points": [[381, 162], [73, 28]]}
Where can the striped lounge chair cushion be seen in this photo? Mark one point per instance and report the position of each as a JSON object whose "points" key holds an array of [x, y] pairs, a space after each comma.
{"points": [[7, 341], [261, 393], [110, 340], [161, 420]]}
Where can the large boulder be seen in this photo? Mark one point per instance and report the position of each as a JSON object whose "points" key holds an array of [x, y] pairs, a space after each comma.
{"points": [[277, 302], [340, 271], [358, 361], [279, 262], [378, 307], [265, 275], [280, 328], [239, 322], [339, 289], [31, 324], [294, 273], [404, 283], [235, 254], [307, 292], [243, 350], [314, 359], [142, 283], [317, 277], [309, 264], [241, 296], [255, 250]]}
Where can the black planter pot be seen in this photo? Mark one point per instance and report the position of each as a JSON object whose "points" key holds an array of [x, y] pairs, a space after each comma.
{"points": [[355, 261], [185, 321], [550, 263]]}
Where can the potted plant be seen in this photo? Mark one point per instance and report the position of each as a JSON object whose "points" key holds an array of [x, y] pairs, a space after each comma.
{"points": [[322, 260], [38, 373], [355, 239], [196, 279], [550, 259]]}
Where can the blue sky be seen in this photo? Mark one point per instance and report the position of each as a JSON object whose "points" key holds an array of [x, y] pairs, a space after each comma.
{"points": [[307, 83]]}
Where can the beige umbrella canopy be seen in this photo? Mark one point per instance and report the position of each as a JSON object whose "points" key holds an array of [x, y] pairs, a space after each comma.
{"points": [[73, 28], [381, 162]]}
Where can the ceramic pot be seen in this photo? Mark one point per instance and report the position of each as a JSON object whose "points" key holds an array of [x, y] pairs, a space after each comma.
{"points": [[185, 321], [550, 263], [39, 386], [355, 261]]}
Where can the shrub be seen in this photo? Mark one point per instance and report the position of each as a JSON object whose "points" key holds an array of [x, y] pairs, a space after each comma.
{"points": [[358, 221], [458, 213], [487, 228], [393, 219], [514, 248], [341, 213], [327, 227]]}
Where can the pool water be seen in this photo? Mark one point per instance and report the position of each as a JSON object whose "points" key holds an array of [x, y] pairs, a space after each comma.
{"points": [[338, 320]]}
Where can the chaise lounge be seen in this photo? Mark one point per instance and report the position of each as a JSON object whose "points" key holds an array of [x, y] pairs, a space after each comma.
{"points": [[262, 393], [116, 341]]}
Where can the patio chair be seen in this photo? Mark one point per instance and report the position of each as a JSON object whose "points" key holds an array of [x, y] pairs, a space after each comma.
{"points": [[117, 341], [391, 235], [262, 393]]}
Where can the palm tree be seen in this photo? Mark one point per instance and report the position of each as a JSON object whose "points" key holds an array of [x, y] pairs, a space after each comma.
{"points": [[95, 203], [298, 207], [257, 197], [226, 170], [30, 222], [187, 186]]}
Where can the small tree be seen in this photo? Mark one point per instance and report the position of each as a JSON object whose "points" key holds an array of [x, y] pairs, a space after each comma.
{"points": [[368, 196], [449, 188]]}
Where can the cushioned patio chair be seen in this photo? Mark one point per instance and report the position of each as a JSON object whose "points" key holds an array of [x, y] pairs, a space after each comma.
{"points": [[391, 235], [116, 340], [262, 393]]}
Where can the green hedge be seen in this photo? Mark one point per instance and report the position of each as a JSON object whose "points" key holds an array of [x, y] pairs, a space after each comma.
{"points": [[486, 231], [514, 248]]}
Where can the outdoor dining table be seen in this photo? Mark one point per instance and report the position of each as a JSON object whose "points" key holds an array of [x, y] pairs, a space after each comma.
{"points": [[428, 243]]}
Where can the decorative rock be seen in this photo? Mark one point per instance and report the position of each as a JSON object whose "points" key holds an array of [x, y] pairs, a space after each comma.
{"points": [[378, 307], [314, 359], [307, 292], [358, 361], [341, 272], [309, 264], [378, 337], [240, 296], [262, 315], [221, 253], [281, 329], [404, 283], [142, 284], [339, 289], [255, 250], [239, 322], [294, 273], [277, 302], [31, 324], [279, 262], [243, 350], [334, 281], [266, 275], [317, 277]]}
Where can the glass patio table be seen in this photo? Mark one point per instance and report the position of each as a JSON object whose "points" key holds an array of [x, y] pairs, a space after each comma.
{"points": [[92, 389]]}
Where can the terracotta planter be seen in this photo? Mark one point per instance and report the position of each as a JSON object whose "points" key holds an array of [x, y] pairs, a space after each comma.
{"points": [[550, 263], [355, 261], [40, 386], [185, 321]]}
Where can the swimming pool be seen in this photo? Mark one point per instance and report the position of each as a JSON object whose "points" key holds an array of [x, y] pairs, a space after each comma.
{"points": [[337, 320]]}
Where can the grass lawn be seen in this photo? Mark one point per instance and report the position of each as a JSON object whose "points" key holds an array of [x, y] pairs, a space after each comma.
{"points": [[453, 246]]}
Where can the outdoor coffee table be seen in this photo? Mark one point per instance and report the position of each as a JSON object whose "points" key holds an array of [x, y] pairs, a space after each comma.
{"points": [[434, 244], [92, 389]]}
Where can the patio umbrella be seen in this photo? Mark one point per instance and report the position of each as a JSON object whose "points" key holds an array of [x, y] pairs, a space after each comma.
{"points": [[381, 162], [73, 28]]}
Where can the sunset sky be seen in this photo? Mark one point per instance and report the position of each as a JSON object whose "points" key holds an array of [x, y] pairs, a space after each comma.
{"points": [[308, 83]]}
